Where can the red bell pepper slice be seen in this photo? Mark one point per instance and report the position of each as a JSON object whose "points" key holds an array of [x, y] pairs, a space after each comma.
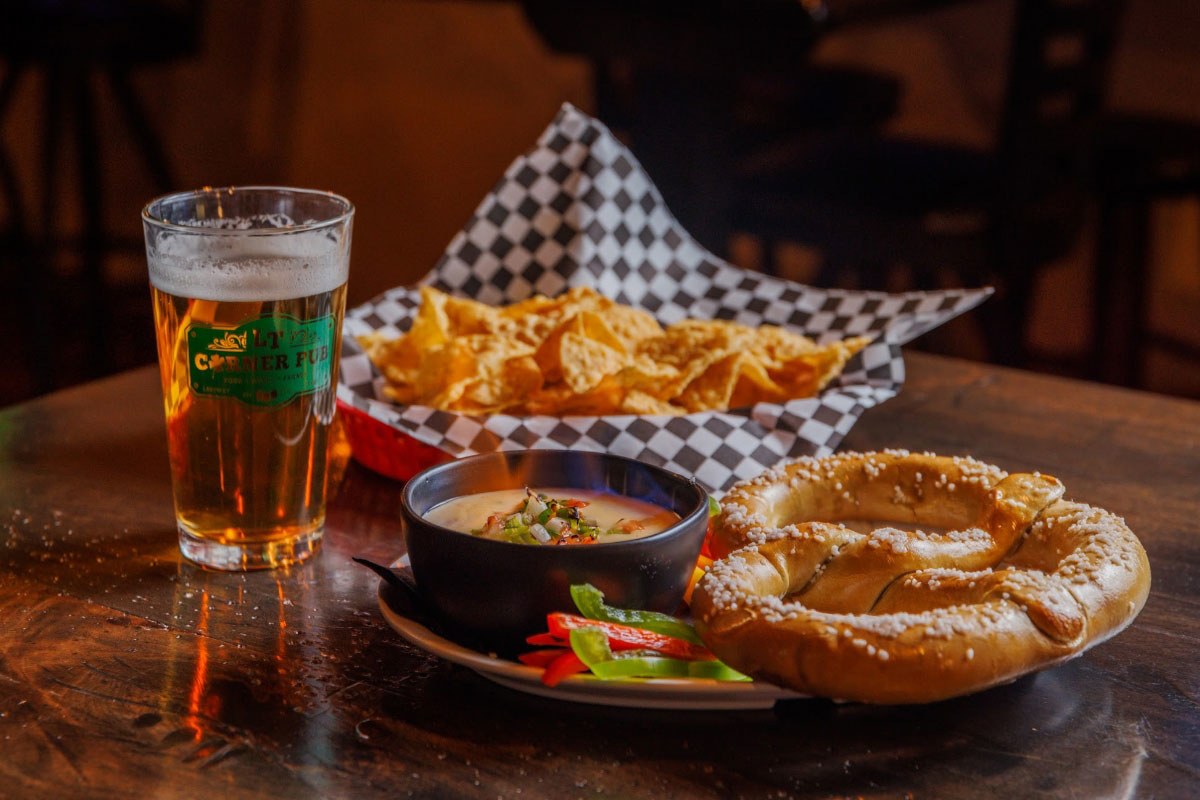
{"points": [[625, 637], [539, 658], [566, 664], [547, 639], [550, 640]]}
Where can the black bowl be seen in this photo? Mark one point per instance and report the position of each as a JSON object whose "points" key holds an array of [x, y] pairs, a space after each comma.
{"points": [[497, 593]]}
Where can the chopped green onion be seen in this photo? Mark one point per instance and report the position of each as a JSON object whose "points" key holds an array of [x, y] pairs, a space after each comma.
{"points": [[519, 535]]}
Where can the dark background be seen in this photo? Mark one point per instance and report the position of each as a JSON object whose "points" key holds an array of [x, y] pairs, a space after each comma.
{"points": [[413, 109]]}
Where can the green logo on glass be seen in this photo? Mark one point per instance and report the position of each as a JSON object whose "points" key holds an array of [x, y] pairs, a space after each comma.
{"points": [[265, 361]]}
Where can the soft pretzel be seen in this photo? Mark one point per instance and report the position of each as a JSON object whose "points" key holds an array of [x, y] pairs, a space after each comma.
{"points": [[1018, 579]]}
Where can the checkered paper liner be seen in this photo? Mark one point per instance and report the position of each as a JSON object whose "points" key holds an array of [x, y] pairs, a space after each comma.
{"points": [[578, 210]]}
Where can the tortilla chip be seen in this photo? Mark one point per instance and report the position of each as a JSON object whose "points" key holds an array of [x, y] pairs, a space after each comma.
{"points": [[585, 362], [632, 326], [636, 402], [581, 353], [604, 398], [586, 325], [644, 374], [505, 387]]}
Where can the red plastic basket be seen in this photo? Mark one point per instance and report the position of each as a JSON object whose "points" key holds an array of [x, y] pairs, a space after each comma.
{"points": [[384, 449]]}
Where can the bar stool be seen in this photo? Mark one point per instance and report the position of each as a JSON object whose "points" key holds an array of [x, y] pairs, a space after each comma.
{"points": [[1141, 160], [872, 203], [694, 87], [72, 42]]}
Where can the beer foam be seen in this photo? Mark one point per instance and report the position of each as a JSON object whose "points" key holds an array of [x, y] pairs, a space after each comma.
{"points": [[241, 269], [254, 222]]}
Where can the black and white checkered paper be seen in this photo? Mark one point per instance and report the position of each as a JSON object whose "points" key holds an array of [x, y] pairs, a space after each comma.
{"points": [[578, 210]]}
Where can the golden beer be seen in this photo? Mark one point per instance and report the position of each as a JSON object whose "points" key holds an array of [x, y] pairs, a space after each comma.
{"points": [[248, 331]]}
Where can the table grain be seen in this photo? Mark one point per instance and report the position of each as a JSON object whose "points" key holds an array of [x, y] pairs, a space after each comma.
{"points": [[125, 671]]}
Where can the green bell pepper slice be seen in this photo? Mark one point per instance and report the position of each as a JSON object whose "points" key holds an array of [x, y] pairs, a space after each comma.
{"points": [[591, 645], [590, 602]]}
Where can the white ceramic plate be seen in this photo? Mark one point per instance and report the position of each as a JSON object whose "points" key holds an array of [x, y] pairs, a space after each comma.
{"points": [[676, 693]]}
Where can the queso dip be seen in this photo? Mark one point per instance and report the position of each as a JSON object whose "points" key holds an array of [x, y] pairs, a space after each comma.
{"points": [[552, 516]]}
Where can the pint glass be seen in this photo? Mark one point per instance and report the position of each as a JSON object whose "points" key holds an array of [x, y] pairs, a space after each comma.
{"points": [[249, 289]]}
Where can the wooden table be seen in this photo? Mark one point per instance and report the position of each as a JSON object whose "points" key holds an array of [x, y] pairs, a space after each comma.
{"points": [[125, 672]]}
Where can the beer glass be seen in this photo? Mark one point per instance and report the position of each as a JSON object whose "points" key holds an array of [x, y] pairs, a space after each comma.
{"points": [[249, 289]]}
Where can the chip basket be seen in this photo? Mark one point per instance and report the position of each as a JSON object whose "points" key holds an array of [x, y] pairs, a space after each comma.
{"points": [[578, 210], [383, 449]]}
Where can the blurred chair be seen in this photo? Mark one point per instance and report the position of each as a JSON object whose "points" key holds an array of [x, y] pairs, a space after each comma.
{"points": [[72, 42], [1140, 161], [693, 87], [870, 203]]}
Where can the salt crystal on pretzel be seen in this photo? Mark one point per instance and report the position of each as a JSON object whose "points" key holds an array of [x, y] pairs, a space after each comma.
{"points": [[1017, 579]]}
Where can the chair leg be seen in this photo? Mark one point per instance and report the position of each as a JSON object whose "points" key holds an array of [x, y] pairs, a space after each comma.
{"points": [[1003, 333], [35, 281], [18, 272], [97, 305], [1104, 269], [1119, 312], [1005, 317], [1139, 284], [1018, 303], [18, 219], [9, 88], [139, 125]]}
